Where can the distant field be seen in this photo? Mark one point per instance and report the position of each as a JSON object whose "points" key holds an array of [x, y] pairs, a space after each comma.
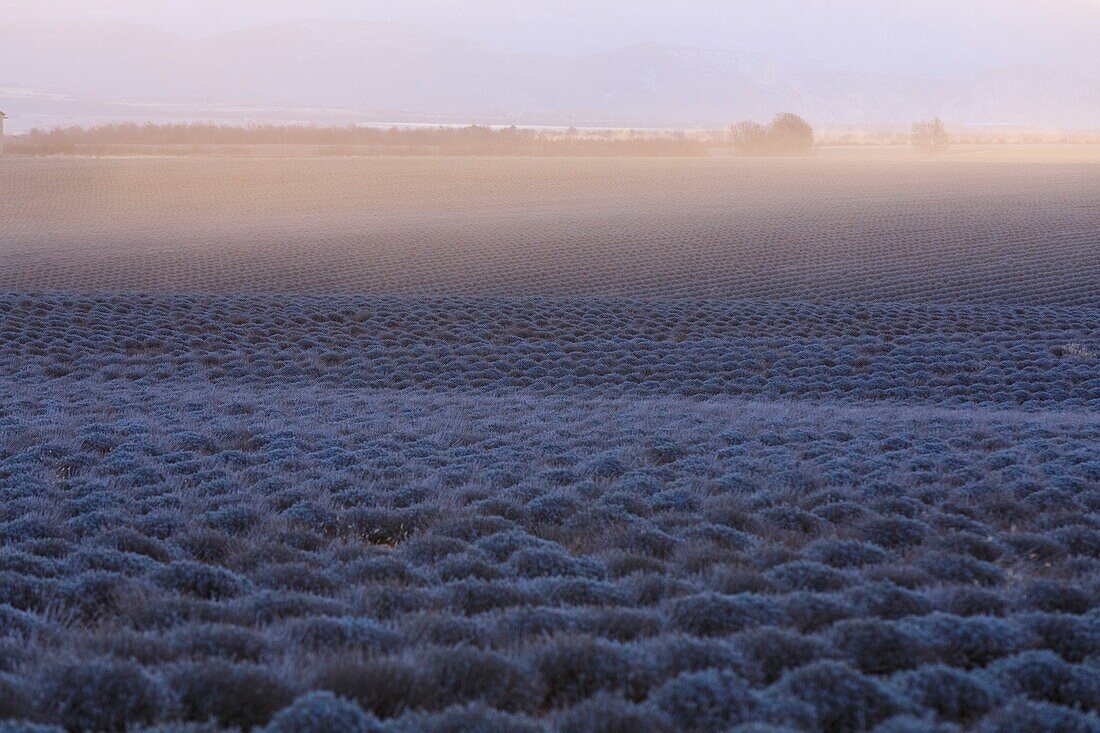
{"points": [[549, 446], [815, 230]]}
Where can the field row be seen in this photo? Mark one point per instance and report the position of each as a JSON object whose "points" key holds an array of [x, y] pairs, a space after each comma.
{"points": [[193, 552], [1034, 358]]}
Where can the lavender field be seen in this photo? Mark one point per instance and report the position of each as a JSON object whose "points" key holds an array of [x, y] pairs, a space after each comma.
{"points": [[624, 446]]}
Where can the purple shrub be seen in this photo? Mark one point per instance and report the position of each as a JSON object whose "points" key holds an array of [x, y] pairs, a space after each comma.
{"points": [[323, 712], [772, 652], [606, 714], [1045, 677], [473, 718], [462, 675], [954, 695], [877, 647], [711, 614], [1026, 716], [710, 701], [199, 580], [100, 696], [234, 695], [842, 698], [967, 642], [385, 686]]}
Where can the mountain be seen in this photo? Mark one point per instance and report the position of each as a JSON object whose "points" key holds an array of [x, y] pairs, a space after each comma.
{"points": [[400, 72], [371, 66], [1042, 97]]}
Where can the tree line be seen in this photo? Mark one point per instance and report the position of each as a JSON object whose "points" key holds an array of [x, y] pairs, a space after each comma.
{"points": [[352, 140], [788, 135]]}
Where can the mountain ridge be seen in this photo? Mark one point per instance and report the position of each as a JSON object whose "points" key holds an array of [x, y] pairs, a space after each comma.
{"points": [[403, 70]]}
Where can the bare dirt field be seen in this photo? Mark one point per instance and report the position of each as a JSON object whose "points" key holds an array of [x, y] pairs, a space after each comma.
{"points": [[890, 230]]}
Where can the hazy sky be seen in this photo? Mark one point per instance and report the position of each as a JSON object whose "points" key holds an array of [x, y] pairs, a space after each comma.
{"points": [[920, 36]]}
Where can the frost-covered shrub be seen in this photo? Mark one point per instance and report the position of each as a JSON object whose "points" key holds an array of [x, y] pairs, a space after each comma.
{"points": [[644, 539], [1054, 597], [845, 553], [711, 614], [889, 601], [1026, 716], [810, 612], [468, 566], [96, 594], [18, 726], [333, 634], [537, 622], [1080, 541], [234, 643], [773, 651], [128, 540], [842, 698], [473, 718], [199, 580], [1043, 676], [669, 656], [894, 533], [234, 695], [971, 601], [550, 509], [961, 569], [24, 593], [100, 696], [21, 624], [1075, 638], [463, 675], [582, 592], [606, 467], [710, 701], [442, 629], [807, 575], [387, 602], [967, 642], [323, 712], [233, 520], [791, 519], [15, 703], [875, 646], [476, 596], [207, 545], [574, 669], [296, 577], [622, 624], [914, 724], [607, 714], [266, 607], [429, 549], [541, 563], [953, 694], [386, 687]]}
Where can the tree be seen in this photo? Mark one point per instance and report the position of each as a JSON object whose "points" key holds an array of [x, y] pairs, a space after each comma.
{"points": [[789, 134], [930, 136], [749, 138]]}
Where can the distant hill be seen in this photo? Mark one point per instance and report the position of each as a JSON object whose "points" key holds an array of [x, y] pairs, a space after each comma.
{"points": [[398, 72]]}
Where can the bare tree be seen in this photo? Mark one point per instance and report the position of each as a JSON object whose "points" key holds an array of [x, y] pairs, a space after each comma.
{"points": [[930, 136], [749, 138], [789, 134]]}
